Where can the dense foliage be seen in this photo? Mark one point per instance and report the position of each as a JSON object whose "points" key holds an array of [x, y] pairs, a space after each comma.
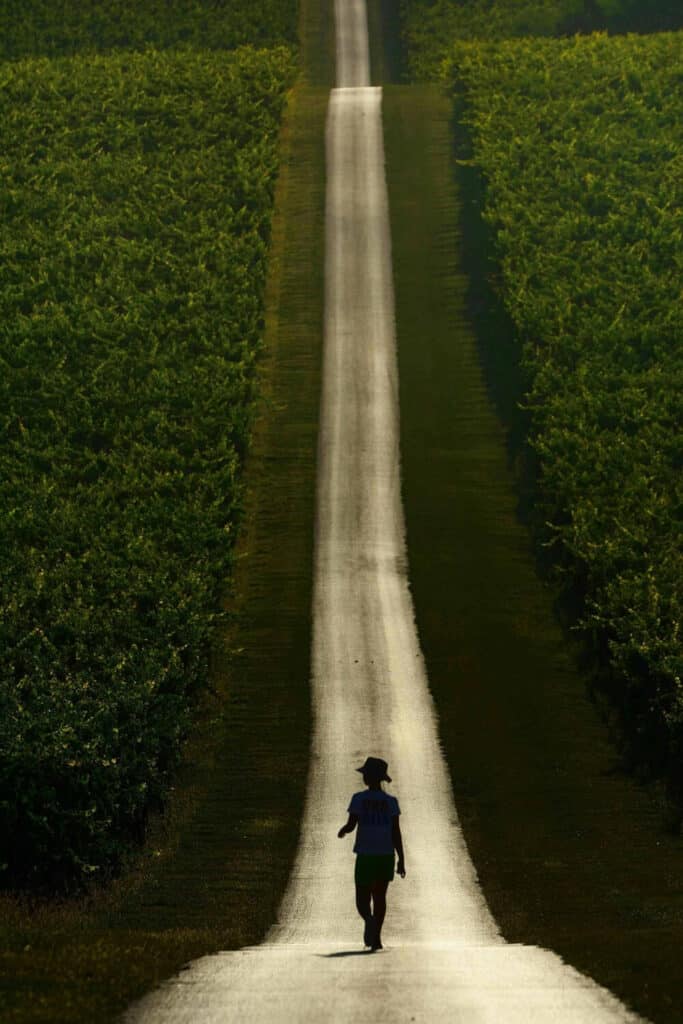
{"points": [[430, 27], [43, 27], [580, 145], [136, 200]]}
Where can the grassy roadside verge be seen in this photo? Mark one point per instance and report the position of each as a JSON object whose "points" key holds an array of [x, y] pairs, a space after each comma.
{"points": [[212, 873], [386, 49], [569, 852]]}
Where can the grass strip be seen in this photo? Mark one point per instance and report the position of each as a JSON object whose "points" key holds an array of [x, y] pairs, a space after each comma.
{"points": [[317, 41], [213, 871], [386, 49], [569, 851]]}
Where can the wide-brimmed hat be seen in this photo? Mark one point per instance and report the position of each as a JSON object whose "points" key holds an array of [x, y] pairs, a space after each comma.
{"points": [[375, 768]]}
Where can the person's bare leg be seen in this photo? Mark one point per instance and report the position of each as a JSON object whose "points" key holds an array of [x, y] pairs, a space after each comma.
{"points": [[363, 901], [379, 909], [363, 906]]}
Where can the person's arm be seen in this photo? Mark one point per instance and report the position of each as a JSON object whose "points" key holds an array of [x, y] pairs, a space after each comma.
{"points": [[348, 827], [397, 839]]}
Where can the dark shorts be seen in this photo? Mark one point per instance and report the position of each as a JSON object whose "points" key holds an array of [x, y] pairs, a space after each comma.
{"points": [[372, 867]]}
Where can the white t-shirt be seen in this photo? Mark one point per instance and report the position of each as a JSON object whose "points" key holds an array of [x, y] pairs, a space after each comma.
{"points": [[375, 811]]}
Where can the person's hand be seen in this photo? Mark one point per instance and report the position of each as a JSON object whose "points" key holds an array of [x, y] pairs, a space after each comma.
{"points": [[342, 832], [401, 868]]}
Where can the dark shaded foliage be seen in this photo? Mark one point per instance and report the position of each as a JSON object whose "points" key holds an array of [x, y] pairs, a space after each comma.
{"points": [[43, 27], [136, 203], [579, 145], [430, 27]]}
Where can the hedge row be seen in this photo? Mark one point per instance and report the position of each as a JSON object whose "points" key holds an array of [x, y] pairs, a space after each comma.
{"points": [[45, 28], [135, 209], [580, 147], [430, 27]]}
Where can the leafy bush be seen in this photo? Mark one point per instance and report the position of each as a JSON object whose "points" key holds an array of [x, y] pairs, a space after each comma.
{"points": [[136, 200], [579, 144], [43, 27], [430, 27]]}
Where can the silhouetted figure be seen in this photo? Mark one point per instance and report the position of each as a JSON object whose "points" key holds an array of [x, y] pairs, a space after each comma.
{"points": [[379, 834]]}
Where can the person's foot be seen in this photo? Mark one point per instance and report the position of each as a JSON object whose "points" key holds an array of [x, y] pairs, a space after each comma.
{"points": [[369, 930], [377, 944]]}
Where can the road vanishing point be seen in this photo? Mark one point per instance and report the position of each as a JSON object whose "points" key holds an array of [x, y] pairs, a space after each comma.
{"points": [[444, 958]]}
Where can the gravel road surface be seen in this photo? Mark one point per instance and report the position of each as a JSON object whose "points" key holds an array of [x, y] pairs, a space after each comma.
{"points": [[444, 960]]}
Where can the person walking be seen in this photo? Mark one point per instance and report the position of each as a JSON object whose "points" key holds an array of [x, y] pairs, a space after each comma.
{"points": [[376, 814]]}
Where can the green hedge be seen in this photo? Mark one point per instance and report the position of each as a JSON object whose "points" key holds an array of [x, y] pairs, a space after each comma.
{"points": [[136, 202], [580, 144], [430, 27], [45, 27]]}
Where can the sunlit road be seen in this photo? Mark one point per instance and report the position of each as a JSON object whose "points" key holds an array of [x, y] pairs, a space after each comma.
{"points": [[444, 959]]}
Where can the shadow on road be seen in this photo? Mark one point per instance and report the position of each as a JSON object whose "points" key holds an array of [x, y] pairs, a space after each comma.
{"points": [[345, 952]]}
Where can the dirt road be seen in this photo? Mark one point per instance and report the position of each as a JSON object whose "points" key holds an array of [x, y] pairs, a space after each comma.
{"points": [[444, 958]]}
